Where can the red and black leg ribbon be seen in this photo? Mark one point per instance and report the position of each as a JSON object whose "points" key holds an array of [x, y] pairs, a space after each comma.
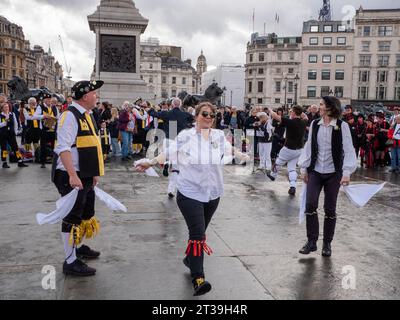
{"points": [[197, 247]]}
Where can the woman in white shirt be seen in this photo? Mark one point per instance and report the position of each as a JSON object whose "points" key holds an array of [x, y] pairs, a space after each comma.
{"points": [[327, 161], [200, 154]]}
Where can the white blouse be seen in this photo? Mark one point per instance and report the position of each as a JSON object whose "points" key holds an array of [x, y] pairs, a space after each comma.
{"points": [[324, 164]]}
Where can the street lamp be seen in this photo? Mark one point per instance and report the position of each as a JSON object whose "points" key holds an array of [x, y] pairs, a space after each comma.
{"points": [[296, 79]]}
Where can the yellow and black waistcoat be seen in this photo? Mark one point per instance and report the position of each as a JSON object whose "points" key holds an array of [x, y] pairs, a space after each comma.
{"points": [[52, 111], [91, 163], [9, 128], [32, 124]]}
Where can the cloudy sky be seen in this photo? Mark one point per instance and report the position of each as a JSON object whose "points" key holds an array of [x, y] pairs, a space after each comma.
{"points": [[221, 28]]}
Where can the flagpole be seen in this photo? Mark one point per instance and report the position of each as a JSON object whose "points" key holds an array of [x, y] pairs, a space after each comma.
{"points": [[254, 15]]}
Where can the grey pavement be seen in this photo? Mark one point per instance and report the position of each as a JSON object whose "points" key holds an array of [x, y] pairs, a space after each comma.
{"points": [[255, 236]]}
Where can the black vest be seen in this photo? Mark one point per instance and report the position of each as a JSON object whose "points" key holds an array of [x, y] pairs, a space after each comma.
{"points": [[337, 146], [10, 123]]}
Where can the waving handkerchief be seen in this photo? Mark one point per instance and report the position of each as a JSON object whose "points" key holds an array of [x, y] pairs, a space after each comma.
{"points": [[64, 206], [149, 172], [361, 194], [112, 203]]}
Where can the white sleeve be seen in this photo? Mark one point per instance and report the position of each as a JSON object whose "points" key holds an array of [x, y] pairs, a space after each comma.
{"points": [[27, 116], [66, 133], [305, 157], [350, 158], [38, 114], [139, 116], [15, 123]]}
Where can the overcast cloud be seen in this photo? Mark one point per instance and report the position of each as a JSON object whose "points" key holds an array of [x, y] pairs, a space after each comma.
{"points": [[221, 28]]}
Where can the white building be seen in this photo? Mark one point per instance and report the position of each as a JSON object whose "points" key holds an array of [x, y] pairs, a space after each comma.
{"points": [[232, 78]]}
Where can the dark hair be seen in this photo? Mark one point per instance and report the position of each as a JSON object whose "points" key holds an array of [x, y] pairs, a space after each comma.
{"points": [[333, 107], [297, 110]]}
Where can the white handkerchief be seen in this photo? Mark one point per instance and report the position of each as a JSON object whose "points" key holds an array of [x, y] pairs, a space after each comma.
{"points": [[112, 203], [361, 194], [149, 172], [64, 206], [303, 200]]}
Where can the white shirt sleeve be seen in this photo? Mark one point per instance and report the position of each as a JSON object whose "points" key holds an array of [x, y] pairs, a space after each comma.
{"points": [[305, 158], [38, 114], [350, 158], [66, 133], [15, 123], [139, 116]]}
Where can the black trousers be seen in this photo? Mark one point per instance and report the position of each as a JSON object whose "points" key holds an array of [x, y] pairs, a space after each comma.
{"points": [[197, 216], [8, 138], [331, 185], [46, 138], [84, 205]]}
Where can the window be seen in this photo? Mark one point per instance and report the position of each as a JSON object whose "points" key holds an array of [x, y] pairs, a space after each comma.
{"points": [[384, 45], [251, 58], [14, 73], [2, 74], [326, 75], [341, 28], [381, 93], [363, 93], [279, 56], [312, 74], [365, 60], [261, 71], [281, 41], [173, 93], [339, 75], [2, 59], [381, 76], [290, 87], [277, 86], [314, 29], [277, 100], [313, 41], [397, 93], [290, 101], [164, 79], [397, 79], [367, 31], [2, 88], [339, 92], [14, 61], [290, 70], [261, 57], [260, 86], [398, 60], [364, 76], [328, 28], [325, 91], [383, 60], [340, 58], [13, 46], [278, 70], [249, 100], [326, 58], [173, 80], [151, 66], [184, 80], [311, 92], [312, 58], [260, 100], [250, 86], [151, 79], [327, 41], [384, 31], [341, 40], [291, 56], [365, 46], [250, 72]]}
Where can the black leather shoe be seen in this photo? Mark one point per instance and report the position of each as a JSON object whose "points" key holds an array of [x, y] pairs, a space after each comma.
{"points": [[292, 191], [6, 166], [327, 250], [165, 170], [270, 176], [43, 166], [22, 165], [78, 269], [201, 287], [186, 262], [309, 247], [84, 252], [171, 195]]}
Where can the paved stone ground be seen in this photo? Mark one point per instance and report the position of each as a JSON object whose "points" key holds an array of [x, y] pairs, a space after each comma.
{"points": [[255, 236]]}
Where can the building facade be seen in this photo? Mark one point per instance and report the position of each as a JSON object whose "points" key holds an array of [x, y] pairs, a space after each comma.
{"points": [[327, 61], [376, 69], [231, 77], [12, 53]]}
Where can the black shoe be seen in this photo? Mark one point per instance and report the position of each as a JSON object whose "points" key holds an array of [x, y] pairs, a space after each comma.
{"points": [[165, 170], [327, 250], [270, 176], [186, 262], [84, 252], [78, 269], [201, 287], [22, 165], [292, 191], [6, 166], [43, 166], [309, 247], [171, 195]]}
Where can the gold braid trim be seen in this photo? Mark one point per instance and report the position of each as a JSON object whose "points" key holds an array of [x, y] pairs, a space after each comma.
{"points": [[76, 236]]}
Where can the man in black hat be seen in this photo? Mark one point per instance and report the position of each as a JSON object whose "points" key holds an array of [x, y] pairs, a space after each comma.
{"points": [[78, 163], [48, 115]]}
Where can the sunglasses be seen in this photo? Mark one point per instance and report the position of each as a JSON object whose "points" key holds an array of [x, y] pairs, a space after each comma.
{"points": [[205, 114]]}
